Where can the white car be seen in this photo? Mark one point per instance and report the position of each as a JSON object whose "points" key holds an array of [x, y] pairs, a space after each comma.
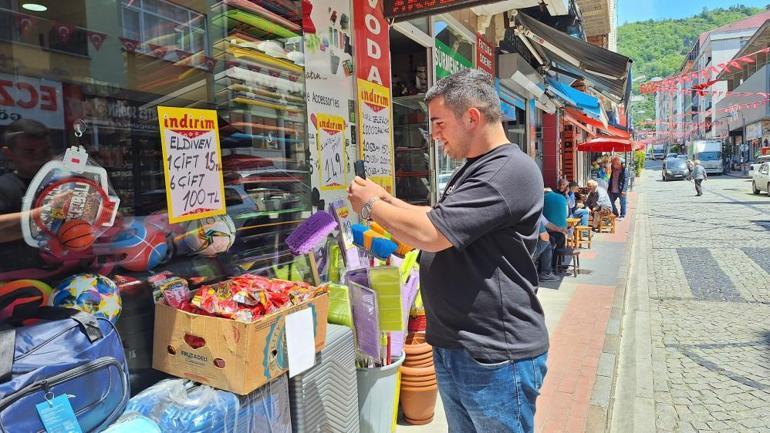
{"points": [[761, 179], [755, 165]]}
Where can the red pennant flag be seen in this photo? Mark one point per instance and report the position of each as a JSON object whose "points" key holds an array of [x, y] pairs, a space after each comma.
{"points": [[158, 51], [694, 76], [64, 32], [209, 63], [24, 23], [130, 45], [96, 38], [747, 59], [736, 65]]}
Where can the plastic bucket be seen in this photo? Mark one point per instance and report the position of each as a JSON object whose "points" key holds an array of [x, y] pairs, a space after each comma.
{"points": [[377, 389]]}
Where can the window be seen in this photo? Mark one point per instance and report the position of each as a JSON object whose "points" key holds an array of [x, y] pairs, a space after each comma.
{"points": [[165, 24]]}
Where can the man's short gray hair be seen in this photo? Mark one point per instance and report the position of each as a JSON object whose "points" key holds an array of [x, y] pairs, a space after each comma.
{"points": [[469, 88]]}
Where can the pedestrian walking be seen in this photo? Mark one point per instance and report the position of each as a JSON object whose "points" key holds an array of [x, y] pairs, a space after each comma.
{"points": [[477, 276], [617, 187], [698, 175]]}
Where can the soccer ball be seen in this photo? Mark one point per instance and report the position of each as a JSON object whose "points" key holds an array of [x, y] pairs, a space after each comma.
{"points": [[210, 236], [92, 293]]}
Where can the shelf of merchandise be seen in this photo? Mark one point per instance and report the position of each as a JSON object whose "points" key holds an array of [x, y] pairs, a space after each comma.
{"points": [[411, 148], [259, 92]]}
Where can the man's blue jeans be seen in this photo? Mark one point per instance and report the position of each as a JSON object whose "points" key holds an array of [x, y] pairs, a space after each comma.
{"points": [[583, 214], [623, 205], [488, 398], [544, 256]]}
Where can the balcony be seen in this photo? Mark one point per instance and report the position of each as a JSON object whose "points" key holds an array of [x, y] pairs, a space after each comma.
{"points": [[596, 16]]}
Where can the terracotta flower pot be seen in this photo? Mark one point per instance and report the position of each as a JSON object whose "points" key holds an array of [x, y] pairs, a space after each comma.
{"points": [[418, 349], [419, 382], [428, 356], [415, 338], [417, 372], [419, 364], [418, 403]]}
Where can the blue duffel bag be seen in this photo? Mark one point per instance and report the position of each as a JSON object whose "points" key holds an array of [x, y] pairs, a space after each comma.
{"points": [[68, 353]]}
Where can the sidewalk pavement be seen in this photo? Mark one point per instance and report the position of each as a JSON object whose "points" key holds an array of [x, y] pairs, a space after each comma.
{"points": [[583, 315], [738, 173]]}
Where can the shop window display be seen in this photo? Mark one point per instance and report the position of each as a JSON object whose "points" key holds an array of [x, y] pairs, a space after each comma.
{"points": [[92, 74], [410, 120]]}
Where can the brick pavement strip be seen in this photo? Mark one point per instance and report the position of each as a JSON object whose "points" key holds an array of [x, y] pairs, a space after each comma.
{"points": [[708, 263]]}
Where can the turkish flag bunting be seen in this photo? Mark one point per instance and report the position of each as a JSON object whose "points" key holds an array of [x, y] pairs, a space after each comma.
{"points": [[96, 38], [129, 45], [182, 54], [64, 32], [158, 51], [24, 23], [209, 63]]}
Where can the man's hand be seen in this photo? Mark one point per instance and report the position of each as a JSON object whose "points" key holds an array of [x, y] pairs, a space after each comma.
{"points": [[361, 191], [622, 193]]}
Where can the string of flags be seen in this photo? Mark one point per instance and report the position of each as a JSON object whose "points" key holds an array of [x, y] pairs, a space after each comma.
{"points": [[64, 33], [697, 76]]}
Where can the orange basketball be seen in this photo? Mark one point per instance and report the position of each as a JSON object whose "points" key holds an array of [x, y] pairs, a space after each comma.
{"points": [[76, 235]]}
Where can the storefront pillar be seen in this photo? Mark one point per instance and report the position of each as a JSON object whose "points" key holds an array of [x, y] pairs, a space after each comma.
{"points": [[551, 140]]}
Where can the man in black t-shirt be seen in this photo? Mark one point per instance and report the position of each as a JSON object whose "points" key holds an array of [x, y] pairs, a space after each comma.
{"points": [[478, 280]]}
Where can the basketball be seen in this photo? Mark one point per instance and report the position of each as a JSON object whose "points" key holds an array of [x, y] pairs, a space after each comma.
{"points": [[76, 235], [140, 248]]}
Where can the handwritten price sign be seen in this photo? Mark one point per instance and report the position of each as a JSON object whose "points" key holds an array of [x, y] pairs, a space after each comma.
{"points": [[192, 163], [376, 132], [330, 140]]}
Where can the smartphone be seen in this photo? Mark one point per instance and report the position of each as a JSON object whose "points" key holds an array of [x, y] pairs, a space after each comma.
{"points": [[359, 168]]}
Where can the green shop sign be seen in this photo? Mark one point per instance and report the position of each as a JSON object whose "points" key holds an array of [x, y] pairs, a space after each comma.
{"points": [[448, 61]]}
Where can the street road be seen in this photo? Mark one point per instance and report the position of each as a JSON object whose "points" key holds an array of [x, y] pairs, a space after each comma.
{"points": [[695, 351]]}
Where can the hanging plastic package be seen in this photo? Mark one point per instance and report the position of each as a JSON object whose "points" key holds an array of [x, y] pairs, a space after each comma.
{"points": [[177, 405], [68, 205]]}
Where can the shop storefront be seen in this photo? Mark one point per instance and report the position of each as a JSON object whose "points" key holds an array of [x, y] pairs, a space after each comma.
{"points": [[164, 152]]}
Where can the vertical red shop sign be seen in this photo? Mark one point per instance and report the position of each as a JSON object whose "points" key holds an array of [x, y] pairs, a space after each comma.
{"points": [[485, 55], [372, 42], [375, 128]]}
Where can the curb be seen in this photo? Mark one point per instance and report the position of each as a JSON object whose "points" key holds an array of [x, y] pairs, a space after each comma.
{"points": [[601, 402]]}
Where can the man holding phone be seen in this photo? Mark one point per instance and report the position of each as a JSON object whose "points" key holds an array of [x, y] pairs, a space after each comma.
{"points": [[477, 275]]}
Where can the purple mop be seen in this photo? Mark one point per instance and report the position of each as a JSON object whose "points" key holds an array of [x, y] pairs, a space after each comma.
{"points": [[306, 237]]}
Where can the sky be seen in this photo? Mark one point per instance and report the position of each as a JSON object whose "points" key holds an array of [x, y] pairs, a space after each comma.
{"points": [[642, 10]]}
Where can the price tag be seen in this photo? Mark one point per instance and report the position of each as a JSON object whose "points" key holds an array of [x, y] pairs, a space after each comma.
{"points": [[57, 415]]}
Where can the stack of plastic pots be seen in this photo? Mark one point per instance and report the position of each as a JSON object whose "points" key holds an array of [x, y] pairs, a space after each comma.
{"points": [[418, 380]]}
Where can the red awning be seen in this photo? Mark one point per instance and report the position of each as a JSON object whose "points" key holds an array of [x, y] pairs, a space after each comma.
{"points": [[579, 116], [606, 144]]}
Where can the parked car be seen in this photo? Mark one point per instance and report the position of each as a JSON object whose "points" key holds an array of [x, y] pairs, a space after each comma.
{"points": [[761, 179], [755, 165], [681, 156], [670, 155], [674, 168]]}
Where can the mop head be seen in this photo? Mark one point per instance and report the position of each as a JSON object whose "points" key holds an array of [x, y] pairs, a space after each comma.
{"points": [[311, 232]]}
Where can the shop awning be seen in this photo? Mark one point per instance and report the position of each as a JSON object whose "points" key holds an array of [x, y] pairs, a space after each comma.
{"points": [[611, 130], [606, 144], [607, 71], [585, 102]]}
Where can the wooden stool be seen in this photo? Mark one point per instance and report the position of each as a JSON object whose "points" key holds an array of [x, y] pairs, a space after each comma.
{"points": [[574, 262], [607, 220], [584, 235]]}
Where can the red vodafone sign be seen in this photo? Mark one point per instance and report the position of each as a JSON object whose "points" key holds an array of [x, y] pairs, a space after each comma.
{"points": [[372, 42], [485, 55]]}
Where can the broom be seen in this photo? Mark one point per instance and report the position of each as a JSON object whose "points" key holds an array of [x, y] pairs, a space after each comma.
{"points": [[306, 237]]}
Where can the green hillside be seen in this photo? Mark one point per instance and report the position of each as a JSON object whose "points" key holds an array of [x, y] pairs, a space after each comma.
{"points": [[658, 48]]}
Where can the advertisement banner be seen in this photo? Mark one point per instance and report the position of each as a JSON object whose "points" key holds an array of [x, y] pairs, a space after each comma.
{"points": [[485, 55], [192, 163], [374, 110], [330, 90], [31, 98], [330, 141], [448, 61], [374, 103]]}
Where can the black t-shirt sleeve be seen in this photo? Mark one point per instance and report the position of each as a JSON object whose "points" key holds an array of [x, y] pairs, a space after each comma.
{"points": [[473, 209]]}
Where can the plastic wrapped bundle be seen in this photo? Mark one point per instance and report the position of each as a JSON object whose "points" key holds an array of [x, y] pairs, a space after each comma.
{"points": [[178, 405], [133, 423]]}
